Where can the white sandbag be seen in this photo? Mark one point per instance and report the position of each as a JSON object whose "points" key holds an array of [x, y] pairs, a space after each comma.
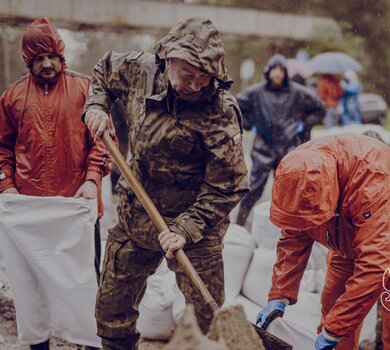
{"points": [[178, 306], [287, 330], [155, 310], [258, 278], [264, 232], [306, 313], [312, 281], [237, 253], [314, 276], [48, 247], [299, 338]]}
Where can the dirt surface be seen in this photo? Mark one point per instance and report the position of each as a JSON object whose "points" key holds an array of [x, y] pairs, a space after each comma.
{"points": [[231, 327], [188, 335]]}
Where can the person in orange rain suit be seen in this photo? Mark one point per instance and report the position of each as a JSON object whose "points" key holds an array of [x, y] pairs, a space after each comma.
{"points": [[334, 190], [45, 148], [330, 92]]}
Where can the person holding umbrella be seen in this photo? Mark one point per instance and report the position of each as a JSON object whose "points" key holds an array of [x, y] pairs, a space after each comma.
{"points": [[330, 64]]}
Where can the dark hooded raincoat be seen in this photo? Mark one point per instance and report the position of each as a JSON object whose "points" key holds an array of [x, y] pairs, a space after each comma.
{"points": [[283, 117]]}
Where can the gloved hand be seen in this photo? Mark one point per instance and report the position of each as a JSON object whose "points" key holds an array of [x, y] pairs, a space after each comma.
{"points": [[274, 308], [323, 343]]}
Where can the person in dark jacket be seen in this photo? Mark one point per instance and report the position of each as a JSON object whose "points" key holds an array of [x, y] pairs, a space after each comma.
{"points": [[283, 113]]}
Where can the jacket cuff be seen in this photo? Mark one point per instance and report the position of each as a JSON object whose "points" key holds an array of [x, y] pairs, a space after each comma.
{"points": [[184, 226], [95, 176], [5, 185], [272, 295], [330, 336], [6, 180]]}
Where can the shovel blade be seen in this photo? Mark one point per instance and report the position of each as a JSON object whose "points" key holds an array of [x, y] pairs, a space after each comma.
{"points": [[270, 341]]}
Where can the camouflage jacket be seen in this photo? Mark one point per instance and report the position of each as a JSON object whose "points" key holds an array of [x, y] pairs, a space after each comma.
{"points": [[187, 155]]}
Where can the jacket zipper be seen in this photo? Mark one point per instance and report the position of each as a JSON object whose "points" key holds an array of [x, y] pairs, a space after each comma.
{"points": [[48, 177]]}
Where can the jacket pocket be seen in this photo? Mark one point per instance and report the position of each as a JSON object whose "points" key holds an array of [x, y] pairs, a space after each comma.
{"points": [[180, 145]]}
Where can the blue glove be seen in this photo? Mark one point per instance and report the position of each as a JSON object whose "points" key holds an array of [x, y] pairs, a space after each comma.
{"points": [[325, 344], [273, 309]]}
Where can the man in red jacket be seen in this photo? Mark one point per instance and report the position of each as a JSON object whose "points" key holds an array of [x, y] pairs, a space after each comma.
{"points": [[334, 190], [45, 148]]}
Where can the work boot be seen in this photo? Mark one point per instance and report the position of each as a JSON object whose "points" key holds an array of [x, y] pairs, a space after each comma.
{"points": [[242, 215], [41, 346]]}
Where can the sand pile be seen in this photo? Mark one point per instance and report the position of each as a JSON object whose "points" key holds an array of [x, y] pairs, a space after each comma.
{"points": [[188, 335], [229, 331], [230, 327]]}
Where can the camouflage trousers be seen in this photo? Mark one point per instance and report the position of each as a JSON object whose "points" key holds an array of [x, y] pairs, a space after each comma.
{"points": [[123, 283]]}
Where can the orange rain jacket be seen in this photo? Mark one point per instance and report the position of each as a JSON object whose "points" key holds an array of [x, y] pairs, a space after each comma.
{"points": [[45, 148], [334, 190], [329, 90]]}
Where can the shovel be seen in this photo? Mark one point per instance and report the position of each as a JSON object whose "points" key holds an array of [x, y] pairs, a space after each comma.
{"points": [[269, 340]]}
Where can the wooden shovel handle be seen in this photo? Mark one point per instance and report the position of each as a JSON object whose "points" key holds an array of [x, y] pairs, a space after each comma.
{"points": [[157, 219]]}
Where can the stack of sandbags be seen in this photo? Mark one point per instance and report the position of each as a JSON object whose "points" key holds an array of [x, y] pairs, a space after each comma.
{"points": [[264, 232], [257, 281], [237, 254], [156, 320], [266, 235], [306, 314], [163, 304]]}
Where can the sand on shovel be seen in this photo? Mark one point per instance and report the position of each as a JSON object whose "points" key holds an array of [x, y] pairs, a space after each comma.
{"points": [[188, 335], [230, 327]]}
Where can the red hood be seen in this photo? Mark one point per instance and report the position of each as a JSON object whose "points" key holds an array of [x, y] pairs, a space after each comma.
{"points": [[305, 192], [41, 37]]}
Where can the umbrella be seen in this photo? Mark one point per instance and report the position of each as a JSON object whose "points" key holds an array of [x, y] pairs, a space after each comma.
{"points": [[333, 63], [302, 68]]}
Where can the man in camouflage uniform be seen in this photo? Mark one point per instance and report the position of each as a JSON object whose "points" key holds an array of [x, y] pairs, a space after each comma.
{"points": [[185, 140]]}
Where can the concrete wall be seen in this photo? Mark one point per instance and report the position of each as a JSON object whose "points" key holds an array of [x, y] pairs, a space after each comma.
{"points": [[159, 14]]}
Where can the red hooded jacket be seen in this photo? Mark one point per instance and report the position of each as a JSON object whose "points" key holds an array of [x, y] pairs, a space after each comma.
{"points": [[335, 190], [45, 148], [329, 90]]}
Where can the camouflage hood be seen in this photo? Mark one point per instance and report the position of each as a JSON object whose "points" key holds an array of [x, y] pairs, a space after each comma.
{"points": [[197, 41]]}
